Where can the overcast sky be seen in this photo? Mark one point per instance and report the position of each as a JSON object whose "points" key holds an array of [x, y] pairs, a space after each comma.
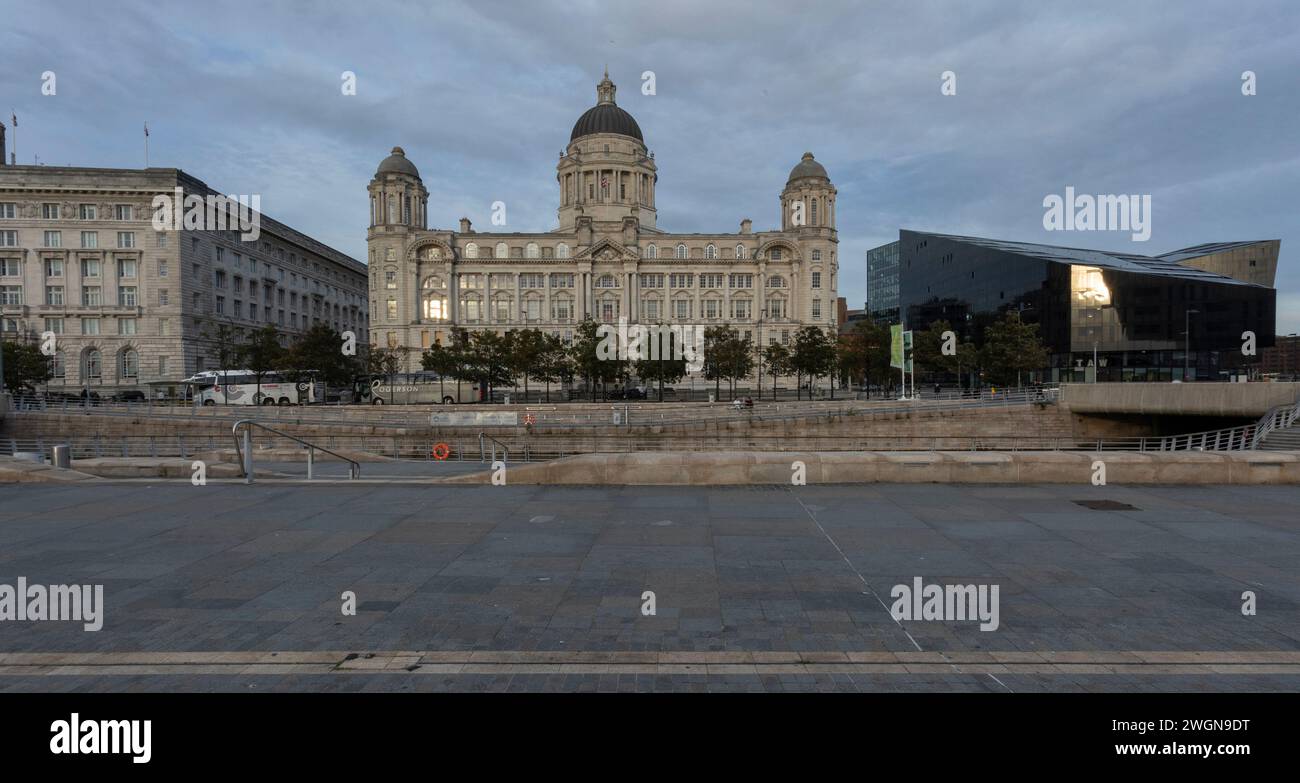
{"points": [[1107, 97]]}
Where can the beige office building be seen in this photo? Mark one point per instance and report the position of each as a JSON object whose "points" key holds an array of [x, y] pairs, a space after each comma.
{"points": [[607, 260], [135, 308]]}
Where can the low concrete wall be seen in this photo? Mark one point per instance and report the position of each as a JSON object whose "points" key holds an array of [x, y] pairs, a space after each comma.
{"points": [[854, 467], [1186, 399]]}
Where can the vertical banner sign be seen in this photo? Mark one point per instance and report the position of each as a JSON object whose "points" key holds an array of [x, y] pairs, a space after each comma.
{"points": [[907, 351], [896, 346]]}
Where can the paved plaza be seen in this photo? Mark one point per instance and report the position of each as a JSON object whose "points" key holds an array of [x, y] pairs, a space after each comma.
{"points": [[232, 587]]}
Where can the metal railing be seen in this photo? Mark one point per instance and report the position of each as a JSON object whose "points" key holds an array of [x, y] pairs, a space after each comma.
{"points": [[483, 440], [245, 453], [1279, 418]]}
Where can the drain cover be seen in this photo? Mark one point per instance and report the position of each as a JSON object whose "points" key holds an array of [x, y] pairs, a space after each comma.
{"points": [[1105, 505]]}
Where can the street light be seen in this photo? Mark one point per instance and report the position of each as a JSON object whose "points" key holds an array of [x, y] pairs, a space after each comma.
{"points": [[1187, 337]]}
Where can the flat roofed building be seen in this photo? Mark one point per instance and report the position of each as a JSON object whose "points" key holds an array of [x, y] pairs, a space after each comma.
{"points": [[133, 307], [1128, 310]]}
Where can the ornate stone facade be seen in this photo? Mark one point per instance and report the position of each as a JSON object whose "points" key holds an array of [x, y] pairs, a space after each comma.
{"points": [[607, 260]]}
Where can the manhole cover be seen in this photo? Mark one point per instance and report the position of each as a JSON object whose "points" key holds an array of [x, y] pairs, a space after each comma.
{"points": [[1105, 505]]}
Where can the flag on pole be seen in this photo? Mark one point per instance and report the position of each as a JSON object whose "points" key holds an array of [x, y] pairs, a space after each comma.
{"points": [[146, 130], [15, 119]]}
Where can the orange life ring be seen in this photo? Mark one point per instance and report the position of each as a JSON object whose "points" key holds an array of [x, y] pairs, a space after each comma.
{"points": [[441, 451]]}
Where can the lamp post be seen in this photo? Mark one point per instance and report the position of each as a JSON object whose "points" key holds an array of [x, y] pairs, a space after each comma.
{"points": [[1187, 338]]}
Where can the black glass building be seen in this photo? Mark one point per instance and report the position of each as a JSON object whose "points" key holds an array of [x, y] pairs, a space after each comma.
{"points": [[882, 283], [1127, 310]]}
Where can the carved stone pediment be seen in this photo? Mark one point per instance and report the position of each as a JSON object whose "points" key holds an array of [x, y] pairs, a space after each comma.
{"points": [[606, 249]]}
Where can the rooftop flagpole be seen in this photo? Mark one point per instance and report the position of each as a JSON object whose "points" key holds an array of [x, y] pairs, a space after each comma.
{"points": [[146, 145]]}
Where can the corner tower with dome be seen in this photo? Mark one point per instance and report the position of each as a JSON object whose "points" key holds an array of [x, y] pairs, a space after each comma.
{"points": [[607, 260]]}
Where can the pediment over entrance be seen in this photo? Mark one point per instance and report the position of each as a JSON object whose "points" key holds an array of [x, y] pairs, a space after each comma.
{"points": [[606, 249]]}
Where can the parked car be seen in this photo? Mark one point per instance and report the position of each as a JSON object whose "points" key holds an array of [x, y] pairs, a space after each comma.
{"points": [[129, 395]]}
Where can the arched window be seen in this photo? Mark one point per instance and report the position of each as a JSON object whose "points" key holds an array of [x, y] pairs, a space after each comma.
{"points": [[435, 308], [129, 366], [374, 208], [392, 209], [710, 251], [92, 365], [681, 252], [434, 253], [740, 251], [652, 252], [59, 365], [532, 251], [774, 254], [471, 250], [561, 250], [812, 212], [502, 250]]}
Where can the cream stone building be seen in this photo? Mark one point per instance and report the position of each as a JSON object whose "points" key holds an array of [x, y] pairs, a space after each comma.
{"points": [[133, 308], [607, 260]]}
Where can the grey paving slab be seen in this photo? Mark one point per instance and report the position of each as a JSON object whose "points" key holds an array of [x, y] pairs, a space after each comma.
{"points": [[263, 568]]}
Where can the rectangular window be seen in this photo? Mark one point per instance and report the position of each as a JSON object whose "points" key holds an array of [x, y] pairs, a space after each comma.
{"points": [[710, 308], [392, 309], [682, 309], [561, 280], [162, 366], [92, 296], [560, 310], [54, 267], [162, 297], [390, 279], [50, 211], [11, 294], [90, 326], [54, 325], [162, 239], [533, 307], [126, 326], [219, 279], [740, 309], [8, 210], [220, 305], [8, 239], [652, 280], [53, 294], [126, 296], [162, 268], [90, 239], [740, 281], [816, 279], [816, 309], [680, 280], [164, 326], [89, 212], [126, 239], [54, 239], [126, 267], [650, 309], [123, 212], [9, 267]]}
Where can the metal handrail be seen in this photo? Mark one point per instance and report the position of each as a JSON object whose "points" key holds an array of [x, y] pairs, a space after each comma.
{"points": [[1278, 418], [482, 451], [245, 454]]}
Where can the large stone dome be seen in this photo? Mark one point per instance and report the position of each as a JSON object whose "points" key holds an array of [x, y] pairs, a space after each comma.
{"points": [[606, 116], [808, 167], [397, 163]]}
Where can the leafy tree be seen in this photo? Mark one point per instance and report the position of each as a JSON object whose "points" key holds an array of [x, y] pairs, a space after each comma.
{"points": [[554, 365], [738, 358], [1011, 347], [813, 354], [262, 354], [587, 363], [25, 366], [927, 350], [777, 358], [659, 364], [321, 349], [443, 361], [525, 352], [487, 360]]}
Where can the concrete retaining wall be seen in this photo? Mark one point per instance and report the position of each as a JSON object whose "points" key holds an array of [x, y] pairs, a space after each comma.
{"points": [[1185, 399], [853, 467]]}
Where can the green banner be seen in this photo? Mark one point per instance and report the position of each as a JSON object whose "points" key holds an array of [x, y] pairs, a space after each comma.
{"points": [[896, 346], [907, 351]]}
